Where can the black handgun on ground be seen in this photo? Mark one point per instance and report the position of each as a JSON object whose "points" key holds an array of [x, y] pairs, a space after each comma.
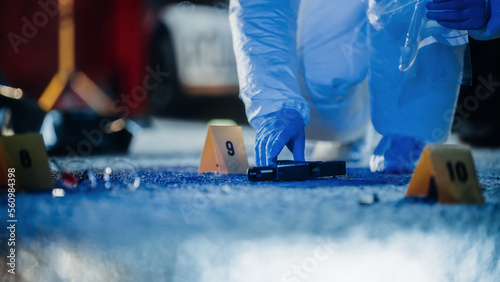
{"points": [[296, 171]]}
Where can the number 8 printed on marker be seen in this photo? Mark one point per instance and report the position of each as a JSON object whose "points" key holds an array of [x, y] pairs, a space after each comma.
{"points": [[230, 148]]}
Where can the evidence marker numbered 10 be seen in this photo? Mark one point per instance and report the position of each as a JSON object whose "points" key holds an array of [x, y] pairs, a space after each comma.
{"points": [[448, 173]]}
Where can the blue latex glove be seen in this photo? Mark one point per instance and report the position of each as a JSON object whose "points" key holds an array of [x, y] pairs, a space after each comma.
{"points": [[396, 154], [460, 14], [492, 28], [284, 127]]}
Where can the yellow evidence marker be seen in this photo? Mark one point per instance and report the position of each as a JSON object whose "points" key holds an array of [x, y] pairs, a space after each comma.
{"points": [[25, 153], [224, 151], [450, 168]]}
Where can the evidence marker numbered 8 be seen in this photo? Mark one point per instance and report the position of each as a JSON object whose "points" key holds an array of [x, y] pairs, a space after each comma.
{"points": [[27, 154]]}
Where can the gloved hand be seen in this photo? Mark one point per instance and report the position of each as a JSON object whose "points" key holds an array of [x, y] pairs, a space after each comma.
{"points": [[284, 127], [396, 154], [460, 14]]}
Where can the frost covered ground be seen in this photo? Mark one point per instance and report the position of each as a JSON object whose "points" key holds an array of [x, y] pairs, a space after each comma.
{"points": [[183, 226]]}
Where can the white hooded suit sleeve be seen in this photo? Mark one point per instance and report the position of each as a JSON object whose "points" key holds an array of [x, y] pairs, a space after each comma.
{"points": [[264, 39]]}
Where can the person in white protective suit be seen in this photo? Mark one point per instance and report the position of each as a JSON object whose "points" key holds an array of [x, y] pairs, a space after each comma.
{"points": [[306, 63]]}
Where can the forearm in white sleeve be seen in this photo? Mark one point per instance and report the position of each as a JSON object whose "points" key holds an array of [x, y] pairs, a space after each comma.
{"points": [[264, 39]]}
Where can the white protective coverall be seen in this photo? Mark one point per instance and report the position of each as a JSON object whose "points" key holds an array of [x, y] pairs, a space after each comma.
{"points": [[313, 56]]}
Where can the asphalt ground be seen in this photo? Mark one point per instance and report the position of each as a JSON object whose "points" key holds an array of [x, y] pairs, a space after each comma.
{"points": [[178, 225]]}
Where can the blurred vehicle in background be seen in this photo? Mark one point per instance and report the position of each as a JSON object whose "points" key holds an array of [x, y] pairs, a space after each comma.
{"points": [[111, 46], [193, 43], [77, 55], [203, 50]]}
